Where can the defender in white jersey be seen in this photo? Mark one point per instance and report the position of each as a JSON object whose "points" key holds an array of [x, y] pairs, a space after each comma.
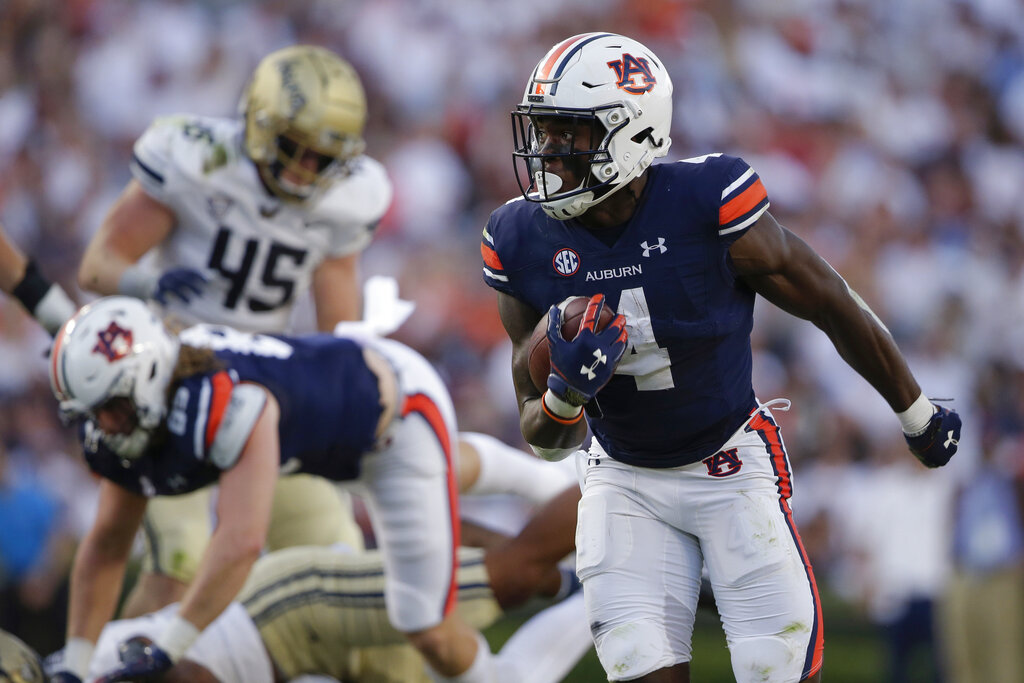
{"points": [[229, 221]]}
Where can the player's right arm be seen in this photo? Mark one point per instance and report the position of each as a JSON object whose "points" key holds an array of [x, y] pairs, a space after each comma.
{"points": [[46, 301], [99, 570], [134, 225], [545, 432]]}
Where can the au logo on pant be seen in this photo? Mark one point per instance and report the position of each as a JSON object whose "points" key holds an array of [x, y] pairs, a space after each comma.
{"points": [[723, 463]]}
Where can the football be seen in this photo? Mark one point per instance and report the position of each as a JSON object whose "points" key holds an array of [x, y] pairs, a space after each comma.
{"points": [[572, 316]]}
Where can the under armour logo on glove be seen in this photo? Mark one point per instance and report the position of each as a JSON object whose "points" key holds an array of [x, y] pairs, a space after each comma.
{"points": [[595, 353], [929, 446], [588, 370]]}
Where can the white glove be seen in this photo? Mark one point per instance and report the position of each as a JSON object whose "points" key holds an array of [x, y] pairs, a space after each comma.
{"points": [[383, 311]]}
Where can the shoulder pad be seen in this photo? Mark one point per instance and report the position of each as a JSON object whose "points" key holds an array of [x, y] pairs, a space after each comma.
{"points": [[244, 407], [352, 206], [178, 147]]}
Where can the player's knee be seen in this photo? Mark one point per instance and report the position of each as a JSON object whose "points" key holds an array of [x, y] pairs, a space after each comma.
{"points": [[636, 648], [773, 659]]}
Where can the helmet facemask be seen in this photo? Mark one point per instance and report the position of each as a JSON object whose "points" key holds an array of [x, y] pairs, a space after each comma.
{"points": [[592, 164], [289, 174], [131, 442]]}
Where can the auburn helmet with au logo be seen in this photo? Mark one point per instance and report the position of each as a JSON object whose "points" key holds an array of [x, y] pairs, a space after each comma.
{"points": [[115, 347], [612, 85], [18, 662], [300, 100]]}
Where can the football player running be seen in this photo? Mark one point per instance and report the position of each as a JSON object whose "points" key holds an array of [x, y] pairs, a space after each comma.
{"points": [[687, 467], [164, 414]]}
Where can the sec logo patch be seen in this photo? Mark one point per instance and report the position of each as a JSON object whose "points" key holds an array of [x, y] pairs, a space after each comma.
{"points": [[566, 262]]}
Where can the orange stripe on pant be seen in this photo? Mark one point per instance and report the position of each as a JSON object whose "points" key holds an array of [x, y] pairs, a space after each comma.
{"points": [[770, 433], [421, 404]]}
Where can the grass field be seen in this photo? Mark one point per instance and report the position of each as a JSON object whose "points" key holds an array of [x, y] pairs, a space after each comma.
{"points": [[853, 649]]}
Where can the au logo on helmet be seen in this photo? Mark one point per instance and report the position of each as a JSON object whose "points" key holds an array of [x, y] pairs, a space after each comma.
{"points": [[114, 342], [630, 67]]}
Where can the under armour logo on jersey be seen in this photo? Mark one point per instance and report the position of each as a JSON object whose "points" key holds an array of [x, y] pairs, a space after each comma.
{"points": [[950, 440], [630, 67], [723, 463], [566, 262], [648, 248], [588, 370], [114, 342]]}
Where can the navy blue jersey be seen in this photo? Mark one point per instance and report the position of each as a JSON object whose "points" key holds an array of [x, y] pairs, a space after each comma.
{"points": [[329, 401], [684, 383]]}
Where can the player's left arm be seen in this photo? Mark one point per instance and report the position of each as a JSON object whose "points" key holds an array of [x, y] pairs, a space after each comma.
{"points": [[549, 436], [784, 269], [243, 516], [337, 291]]}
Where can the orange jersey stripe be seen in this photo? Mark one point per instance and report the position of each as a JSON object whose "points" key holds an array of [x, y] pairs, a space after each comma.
{"points": [[421, 403], [739, 205], [221, 394], [490, 257]]}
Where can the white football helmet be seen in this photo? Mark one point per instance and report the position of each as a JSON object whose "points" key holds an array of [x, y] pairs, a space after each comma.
{"points": [[115, 347], [593, 78]]}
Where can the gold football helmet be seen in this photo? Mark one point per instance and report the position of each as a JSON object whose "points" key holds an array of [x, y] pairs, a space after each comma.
{"points": [[18, 662], [304, 110]]}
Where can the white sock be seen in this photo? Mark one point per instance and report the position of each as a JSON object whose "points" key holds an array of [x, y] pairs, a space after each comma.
{"points": [[482, 670], [548, 645], [504, 469]]}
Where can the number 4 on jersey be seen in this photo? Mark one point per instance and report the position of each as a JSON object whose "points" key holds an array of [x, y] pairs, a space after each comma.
{"points": [[648, 363]]}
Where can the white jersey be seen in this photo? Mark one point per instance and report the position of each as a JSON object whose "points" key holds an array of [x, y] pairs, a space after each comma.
{"points": [[230, 647], [257, 251]]}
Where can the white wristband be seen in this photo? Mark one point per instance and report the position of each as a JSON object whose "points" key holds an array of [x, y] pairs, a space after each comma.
{"points": [[137, 281], [915, 418], [560, 407], [177, 637], [54, 309], [77, 655]]}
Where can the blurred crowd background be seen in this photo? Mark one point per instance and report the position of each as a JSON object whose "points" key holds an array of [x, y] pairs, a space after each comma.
{"points": [[890, 136]]}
